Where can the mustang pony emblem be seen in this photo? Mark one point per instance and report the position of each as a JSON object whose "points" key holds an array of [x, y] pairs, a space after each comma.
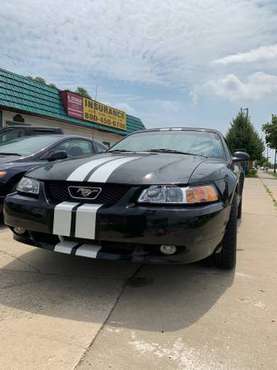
{"points": [[84, 192]]}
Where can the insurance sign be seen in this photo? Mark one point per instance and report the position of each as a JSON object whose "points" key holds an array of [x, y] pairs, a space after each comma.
{"points": [[91, 110]]}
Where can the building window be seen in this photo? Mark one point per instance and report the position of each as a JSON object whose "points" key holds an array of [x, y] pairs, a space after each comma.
{"points": [[18, 118]]}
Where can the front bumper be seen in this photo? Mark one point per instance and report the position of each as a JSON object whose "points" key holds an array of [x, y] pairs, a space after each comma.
{"points": [[132, 233]]}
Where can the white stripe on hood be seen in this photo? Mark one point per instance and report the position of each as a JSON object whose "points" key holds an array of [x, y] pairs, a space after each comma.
{"points": [[81, 172], [103, 173]]}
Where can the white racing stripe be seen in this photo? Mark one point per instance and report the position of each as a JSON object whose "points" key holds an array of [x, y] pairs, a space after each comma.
{"points": [[86, 221], [103, 173], [65, 247], [88, 250], [81, 172], [62, 218]]}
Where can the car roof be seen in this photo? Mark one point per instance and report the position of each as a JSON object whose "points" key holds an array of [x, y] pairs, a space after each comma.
{"points": [[56, 136], [60, 136], [199, 129], [12, 127]]}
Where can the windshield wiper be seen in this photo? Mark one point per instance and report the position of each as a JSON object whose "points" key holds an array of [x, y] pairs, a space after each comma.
{"points": [[163, 150], [4, 153]]}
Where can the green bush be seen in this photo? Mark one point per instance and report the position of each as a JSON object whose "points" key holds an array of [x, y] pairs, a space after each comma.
{"points": [[252, 172]]}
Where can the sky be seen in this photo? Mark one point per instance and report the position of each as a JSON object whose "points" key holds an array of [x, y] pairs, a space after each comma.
{"points": [[169, 62]]}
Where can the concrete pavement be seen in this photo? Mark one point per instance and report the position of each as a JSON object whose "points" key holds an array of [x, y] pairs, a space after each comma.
{"points": [[61, 312], [270, 182]]}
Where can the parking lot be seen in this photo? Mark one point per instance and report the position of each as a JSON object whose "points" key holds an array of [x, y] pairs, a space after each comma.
{"points": [[58, 311]]}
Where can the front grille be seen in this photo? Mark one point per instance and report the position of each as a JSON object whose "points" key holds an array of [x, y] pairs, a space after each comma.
{"points": [[57, 192]]}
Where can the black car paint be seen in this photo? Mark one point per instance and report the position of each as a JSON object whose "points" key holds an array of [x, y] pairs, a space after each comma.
{"points": [[17, 166], [139, 230], [196, 230], [176, 168]]}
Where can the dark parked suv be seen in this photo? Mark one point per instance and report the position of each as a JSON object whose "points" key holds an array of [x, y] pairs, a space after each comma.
{"points": [[13, 132]]}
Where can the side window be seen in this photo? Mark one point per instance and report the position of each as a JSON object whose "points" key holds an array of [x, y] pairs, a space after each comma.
{"points": [[107, 144], [100, 148], [76, 148]]}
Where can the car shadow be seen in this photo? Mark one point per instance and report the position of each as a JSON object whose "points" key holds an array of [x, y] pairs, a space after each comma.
{"points": [[172, 298], [148, 297]]}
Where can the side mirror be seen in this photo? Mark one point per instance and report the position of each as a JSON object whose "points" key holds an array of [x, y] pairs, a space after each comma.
{"points": [[241, 157], [55, 156]]}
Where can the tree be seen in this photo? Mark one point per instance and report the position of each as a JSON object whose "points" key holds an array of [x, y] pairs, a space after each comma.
{"points": [[264, 162], [243, 136], [38, 79], [82, 91], [270, 130], [42, 81], [52, 85]]}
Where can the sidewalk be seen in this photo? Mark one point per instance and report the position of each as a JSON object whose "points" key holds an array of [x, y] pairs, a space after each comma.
{"points": [[189, 317], [270, 182], [64, 312]]}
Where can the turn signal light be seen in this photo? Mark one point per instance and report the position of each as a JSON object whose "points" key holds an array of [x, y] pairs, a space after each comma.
{"points": [[201, 194]]}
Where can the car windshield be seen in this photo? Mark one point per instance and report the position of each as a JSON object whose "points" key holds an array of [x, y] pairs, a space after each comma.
{"points": [[7, 135], [27, 145], [201, 143]]}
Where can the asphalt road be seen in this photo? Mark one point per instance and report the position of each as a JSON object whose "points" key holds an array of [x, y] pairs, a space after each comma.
{"points": [[63, 312]]}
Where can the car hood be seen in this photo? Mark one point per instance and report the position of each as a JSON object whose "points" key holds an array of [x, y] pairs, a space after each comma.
{"points": [[8, 158], [133, 168]]}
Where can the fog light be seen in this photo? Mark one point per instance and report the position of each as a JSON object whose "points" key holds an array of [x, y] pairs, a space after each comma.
{"points": [[168, 249], [19, 230]]}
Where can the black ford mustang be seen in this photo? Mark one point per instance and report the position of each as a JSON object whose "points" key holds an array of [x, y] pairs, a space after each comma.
{"points": [[161, 195]]}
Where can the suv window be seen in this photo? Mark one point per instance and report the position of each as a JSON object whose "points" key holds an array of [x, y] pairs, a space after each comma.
{"points": [[76, 148], [12, 133], [9, 135]]}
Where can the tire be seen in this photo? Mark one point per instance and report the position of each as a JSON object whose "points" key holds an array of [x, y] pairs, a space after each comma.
{"points": [[13, 189], [240, 209], [226, 258]]}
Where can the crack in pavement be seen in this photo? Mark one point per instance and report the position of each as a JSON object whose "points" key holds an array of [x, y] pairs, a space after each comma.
{"points": [[124, 285]]}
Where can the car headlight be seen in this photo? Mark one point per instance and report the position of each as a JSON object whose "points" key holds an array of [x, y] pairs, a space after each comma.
{"points": [[171, 194], [2, 174], [28, 186]]}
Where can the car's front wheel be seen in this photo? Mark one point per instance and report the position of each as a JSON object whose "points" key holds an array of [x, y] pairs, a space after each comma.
{"points": [[226, 257], [240, 209]]}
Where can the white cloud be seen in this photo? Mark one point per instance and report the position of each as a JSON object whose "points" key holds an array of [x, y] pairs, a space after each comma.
{"points": [[126, 108], [147, 57], [261, 54], [161, 42], [257, 86]]}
